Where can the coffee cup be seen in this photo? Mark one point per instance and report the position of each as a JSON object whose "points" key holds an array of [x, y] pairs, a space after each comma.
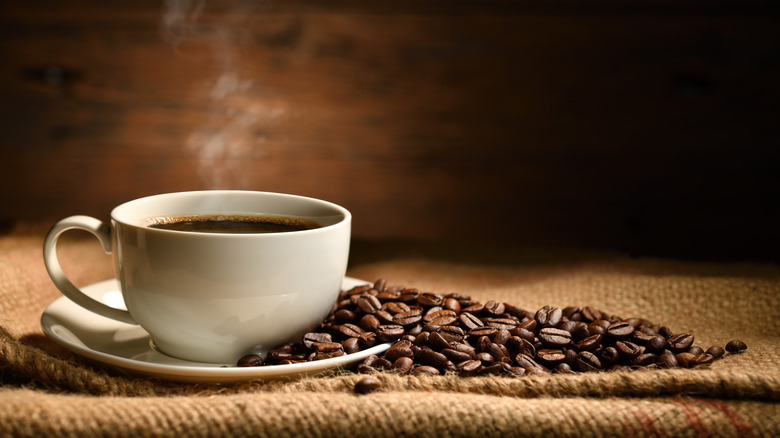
{"points": [[213, 275]]}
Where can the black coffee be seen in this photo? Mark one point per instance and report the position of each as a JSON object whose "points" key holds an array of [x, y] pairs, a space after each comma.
{"points": [[232, 224]]}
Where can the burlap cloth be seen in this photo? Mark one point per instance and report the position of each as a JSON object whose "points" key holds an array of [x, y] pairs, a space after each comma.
{"points": [[48, 391]]}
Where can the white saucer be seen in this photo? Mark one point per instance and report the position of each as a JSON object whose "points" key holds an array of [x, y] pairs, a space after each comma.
{"points": [[129, 347]]}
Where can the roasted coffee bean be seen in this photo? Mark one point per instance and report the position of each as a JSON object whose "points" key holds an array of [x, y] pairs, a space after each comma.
{"points": [[350, 330], [564, 368], [590, 314], [427, 356], [451, 304], [444, 317], [367, 340], [310, 338], [343, 316], [501, 337], [389, 295], [494, 308], [380, 284], [456, 356], [502, 323], [484, 357], [325, 347], [320, 355], [351, 345], [409, 296], [407, 318], [369, 323], [470, 321], [250, 360], [667, 360], [551, 357], [396, 307], [399, 349], [703, 359], [628, 350], [426, 370], [587, 361], [384, 317], [548, 316], [437, 342], [367, 385], [431, 333], [716, 351], [735, 346], [555, 337], [403, 365], [590, 343], [685, 359], [528, 324], [389, 332], [428, 299], [644, 359], [620, 330], [368, 304], [680, 342], [609, 356], [469, 367]]}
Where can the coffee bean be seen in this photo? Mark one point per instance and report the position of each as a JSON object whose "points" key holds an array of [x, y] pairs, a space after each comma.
{"points": [[403, 365], [437, 341], [716, 351], [433, 334], [351, 345], [667, 360], [551, 357], [735, 346], [426, 370], [343, 316], [369, 322], [367, 385], [407, 318], [350, 330], [470, 321], [310, 338], [555, 337], [250, 360], [644, 359], [368, 304], [326, 347], [396, 307], [389, 332], [428, 299], [494, 308], [469, 367], [680, 342], [590, 343], [620, 330], [587, 361], [427, 356], [548, 316]]}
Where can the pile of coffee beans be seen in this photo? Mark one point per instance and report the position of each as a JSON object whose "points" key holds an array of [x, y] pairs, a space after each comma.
{"points": [[436, 334]]}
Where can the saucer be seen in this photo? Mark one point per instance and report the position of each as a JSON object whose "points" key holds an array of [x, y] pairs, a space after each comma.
{"points": [[130, 348]]}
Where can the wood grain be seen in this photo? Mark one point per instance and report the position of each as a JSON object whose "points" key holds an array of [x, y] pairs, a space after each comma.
{"points": [[646, 127]]}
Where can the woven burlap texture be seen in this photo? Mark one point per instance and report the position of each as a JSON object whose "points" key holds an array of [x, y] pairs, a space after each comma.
{"points": [[48, 390]]}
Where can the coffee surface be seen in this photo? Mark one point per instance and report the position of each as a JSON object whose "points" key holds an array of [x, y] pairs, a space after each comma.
{"points": [[232, 224]]}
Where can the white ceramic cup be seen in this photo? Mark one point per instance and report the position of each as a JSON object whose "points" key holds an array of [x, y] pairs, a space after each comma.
{"points": [[214, 297]]}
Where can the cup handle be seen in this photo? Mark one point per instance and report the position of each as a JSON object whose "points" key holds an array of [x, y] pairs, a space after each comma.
{"points": [[103, 233]]}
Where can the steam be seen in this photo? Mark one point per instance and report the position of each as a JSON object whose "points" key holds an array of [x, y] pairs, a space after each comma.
{"points": [[222, 146]]}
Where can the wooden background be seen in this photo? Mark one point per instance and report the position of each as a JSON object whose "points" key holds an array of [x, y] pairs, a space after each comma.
{"points": [[643, 126]]}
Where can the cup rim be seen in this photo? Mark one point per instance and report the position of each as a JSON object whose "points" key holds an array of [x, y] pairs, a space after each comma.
{"points": [[118, 212]]}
